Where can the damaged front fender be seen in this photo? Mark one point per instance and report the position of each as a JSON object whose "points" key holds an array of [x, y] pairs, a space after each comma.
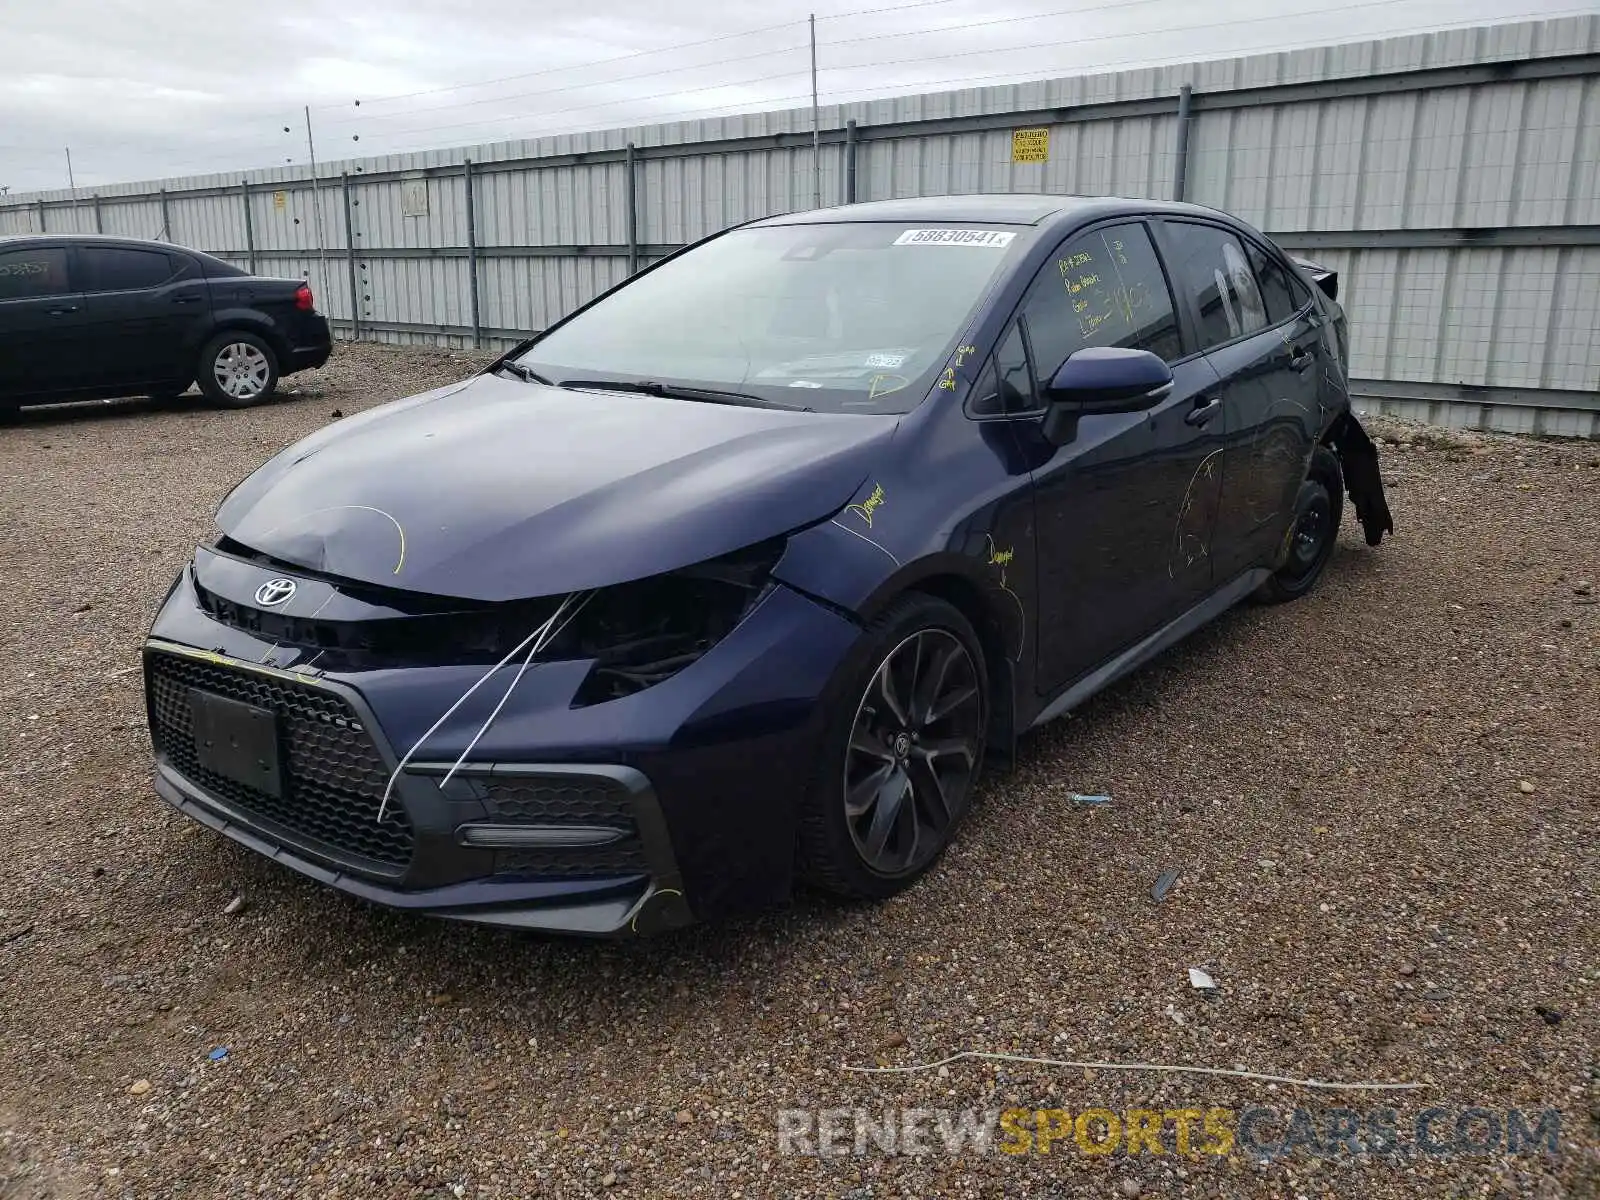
{"points": [[1358, 461]]}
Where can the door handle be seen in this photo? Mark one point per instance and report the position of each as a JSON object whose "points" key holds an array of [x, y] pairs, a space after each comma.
{"points": [[1301, 360], [186, 299], [62, 311], [1203, 410]]}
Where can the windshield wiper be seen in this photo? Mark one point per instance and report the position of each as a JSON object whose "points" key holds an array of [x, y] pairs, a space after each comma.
{"points": [[673, 391], [526, 374]]}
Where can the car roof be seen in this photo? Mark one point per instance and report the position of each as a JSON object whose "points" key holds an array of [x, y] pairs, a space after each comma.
{"points": [[1005, 208], [108, 238]]}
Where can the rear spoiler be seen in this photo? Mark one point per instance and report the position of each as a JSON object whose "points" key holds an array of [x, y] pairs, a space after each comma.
{"points": [[1320, 275]]}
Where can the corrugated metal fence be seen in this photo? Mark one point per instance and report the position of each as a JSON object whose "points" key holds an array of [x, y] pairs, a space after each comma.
{"points": [[1452, 178]]}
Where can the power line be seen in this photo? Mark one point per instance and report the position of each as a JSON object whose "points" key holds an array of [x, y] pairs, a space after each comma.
{"points": [[1114, 4], [348, 121], [879, 88], [835, 94], [710, 87], [869, 12], [1113, 37], [874, 65], [1117, 5], [599, 62]]}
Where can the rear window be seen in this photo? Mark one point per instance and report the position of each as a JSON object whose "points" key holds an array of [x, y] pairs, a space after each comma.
{"points": [[37, 272], [123, 269], [1277, 292], [1210, 265], [215, 268]]}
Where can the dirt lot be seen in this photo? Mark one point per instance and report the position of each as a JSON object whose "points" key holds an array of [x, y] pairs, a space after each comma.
{"points": [[1383, 801]]}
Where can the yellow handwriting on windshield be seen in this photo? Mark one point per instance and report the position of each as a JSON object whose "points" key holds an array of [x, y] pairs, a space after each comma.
{"points": [[869, 506], [882, 384]]}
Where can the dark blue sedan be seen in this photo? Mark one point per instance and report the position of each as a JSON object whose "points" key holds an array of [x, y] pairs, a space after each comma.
{"points": [[742, 573]]}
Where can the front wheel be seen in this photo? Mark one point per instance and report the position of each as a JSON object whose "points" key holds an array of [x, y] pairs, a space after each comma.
{"points": [[237, 369], [903, 753]]}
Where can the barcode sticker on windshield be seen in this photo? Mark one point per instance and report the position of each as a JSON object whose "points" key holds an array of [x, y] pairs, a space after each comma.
{"points": [[994, 239]]}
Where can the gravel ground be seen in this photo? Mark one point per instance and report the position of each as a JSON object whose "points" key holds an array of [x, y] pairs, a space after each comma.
{"points": [[1382, 801]]}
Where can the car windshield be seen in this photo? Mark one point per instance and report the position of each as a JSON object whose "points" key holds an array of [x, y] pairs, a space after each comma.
{"points": [[842, 317]]}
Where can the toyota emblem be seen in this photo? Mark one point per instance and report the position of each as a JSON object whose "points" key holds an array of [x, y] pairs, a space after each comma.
{"points": [[274, 592]]}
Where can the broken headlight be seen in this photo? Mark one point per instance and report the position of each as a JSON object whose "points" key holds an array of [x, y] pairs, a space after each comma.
{"points": [[643, 633]]}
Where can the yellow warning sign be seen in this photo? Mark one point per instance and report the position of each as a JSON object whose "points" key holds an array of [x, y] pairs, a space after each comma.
{"points": [[280, 199], [1030, 145]]}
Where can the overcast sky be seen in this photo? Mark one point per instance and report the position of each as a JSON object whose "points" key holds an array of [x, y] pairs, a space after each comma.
{"points": [[142, 90]]}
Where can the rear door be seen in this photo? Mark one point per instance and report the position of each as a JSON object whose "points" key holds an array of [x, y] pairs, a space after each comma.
{"points": [[1267, 349], [147, 309], [41, 318], [1122, 507]]}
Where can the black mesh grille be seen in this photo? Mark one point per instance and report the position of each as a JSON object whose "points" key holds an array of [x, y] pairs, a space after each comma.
{"points": [[566, 800], [619, 858], [560, 800], [333, 774]]}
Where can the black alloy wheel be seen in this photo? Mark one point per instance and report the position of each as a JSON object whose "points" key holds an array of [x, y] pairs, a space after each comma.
{"points": [[913, 752], [907, 753]]}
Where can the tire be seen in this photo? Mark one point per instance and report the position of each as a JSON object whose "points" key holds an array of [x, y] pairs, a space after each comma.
{"points": [[914, 795], [1313, 530], [237, 369]]}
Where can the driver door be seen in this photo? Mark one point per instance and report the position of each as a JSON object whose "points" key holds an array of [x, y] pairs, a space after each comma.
{"points": [[1126, 509]]}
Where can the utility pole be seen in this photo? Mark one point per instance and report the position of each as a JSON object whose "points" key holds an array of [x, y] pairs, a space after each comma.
{"points": [[71, 183], [316, 204], [816, 133]]}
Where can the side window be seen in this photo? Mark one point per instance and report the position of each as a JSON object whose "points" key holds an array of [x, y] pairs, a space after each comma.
{"points": [[1209, 264], [1006, 386], [27, 273], [1277, 291], [121, 269], [1103, 288]]}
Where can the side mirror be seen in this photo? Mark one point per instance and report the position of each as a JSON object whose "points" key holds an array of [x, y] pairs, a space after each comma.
{"points": [[1103, 379]]}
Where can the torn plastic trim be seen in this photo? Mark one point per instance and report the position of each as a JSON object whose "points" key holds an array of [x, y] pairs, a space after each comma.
{"points": [[1326, 279], [1358, 461]]}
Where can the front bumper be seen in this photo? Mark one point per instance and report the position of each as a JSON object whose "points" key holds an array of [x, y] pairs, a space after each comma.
{"points": [[702, 774], [598, 907]]}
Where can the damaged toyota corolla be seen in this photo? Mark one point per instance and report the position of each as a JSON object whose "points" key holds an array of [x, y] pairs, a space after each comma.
{"points": [[739, 575]]}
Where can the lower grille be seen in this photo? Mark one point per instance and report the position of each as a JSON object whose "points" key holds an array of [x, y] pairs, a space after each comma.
{"points": [[333, 775], [567, 800]]}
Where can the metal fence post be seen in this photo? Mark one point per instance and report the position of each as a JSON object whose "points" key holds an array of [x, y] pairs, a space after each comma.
{"points": [[99, 227], [472, 252], [850, 144], [350, 257], [1180, 171], [42, 227], [166, 222], [633, 215], [249, 225]]}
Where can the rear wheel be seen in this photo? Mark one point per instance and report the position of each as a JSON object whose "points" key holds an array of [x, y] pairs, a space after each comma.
{"points": [[903, 753], [237, 369], [1312, 532]]}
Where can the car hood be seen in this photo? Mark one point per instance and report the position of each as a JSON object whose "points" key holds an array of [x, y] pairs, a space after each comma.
{"points": [[498, 489]]}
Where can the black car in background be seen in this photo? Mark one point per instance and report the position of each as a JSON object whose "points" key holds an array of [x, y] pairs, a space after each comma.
{"points": [[84, 317]]}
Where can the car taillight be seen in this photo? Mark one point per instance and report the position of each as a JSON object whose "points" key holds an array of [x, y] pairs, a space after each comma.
{"points": [[302, 298]]}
